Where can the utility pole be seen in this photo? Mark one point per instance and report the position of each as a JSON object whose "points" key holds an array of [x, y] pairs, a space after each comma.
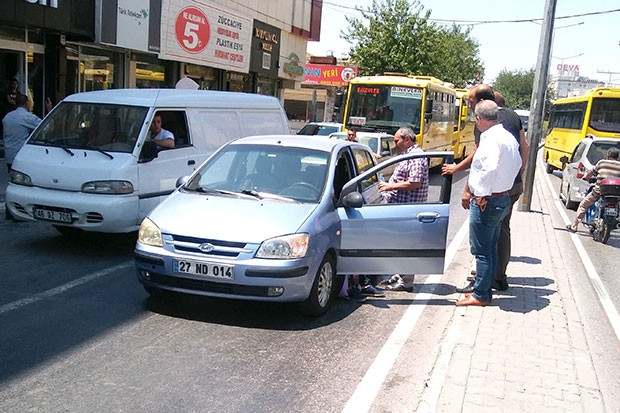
{"points": [[538, 102]]}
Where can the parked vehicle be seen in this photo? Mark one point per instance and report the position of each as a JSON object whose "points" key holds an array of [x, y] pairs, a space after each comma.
{"points": [[596, 112], [524, 115], [320, 128], [381, 144], [602, 217], [276, 218], [587, 153], [91, 165]]}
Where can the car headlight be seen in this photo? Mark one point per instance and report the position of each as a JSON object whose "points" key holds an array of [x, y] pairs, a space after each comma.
{"points": [[149, 234], [18, 178], [284, 247], [108, 187]]}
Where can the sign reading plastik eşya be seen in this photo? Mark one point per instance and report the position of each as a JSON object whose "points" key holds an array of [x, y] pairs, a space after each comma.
{"points": [[208, 35]]}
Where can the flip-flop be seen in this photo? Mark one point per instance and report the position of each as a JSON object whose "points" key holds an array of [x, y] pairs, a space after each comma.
{"points": [[570, 228]]}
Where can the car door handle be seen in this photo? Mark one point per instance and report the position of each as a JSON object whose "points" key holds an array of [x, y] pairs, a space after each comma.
{"points": [[428, 217], [191, 162]]}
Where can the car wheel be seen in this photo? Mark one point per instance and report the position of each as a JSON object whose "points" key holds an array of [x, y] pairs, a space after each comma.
{"points": [[568, 202], [323, 287]]}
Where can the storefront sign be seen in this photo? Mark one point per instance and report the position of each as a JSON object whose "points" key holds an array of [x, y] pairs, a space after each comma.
{"points": [[265, 49], [292, 66], [328, 74], [132, 27], [52, 3], [196, 32]]}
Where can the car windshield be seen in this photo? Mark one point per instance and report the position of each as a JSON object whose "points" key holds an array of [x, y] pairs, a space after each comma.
{"points": [[74, 125], [372, 143], [295, 173], [316, 129]]}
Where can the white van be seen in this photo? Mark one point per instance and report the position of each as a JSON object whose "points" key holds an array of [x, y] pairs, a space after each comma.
{"points": [[91, 164]]}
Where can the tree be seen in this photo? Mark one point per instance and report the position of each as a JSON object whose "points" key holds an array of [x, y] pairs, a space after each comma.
{"points": [[517, 86], [394, 36]]}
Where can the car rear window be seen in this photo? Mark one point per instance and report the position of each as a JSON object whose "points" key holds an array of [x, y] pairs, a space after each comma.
{"points": [[598, 150]]}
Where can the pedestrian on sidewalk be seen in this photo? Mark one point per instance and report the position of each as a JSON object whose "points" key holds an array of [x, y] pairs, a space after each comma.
{"points": [[512, 123], [605, 168], [494, 166]]}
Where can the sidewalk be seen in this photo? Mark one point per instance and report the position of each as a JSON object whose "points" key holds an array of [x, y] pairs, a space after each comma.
{"points": [[528, 351]]}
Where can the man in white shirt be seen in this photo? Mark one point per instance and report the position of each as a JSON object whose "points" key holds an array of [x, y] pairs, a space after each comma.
{"points": [[493, 170], [162, 137]]}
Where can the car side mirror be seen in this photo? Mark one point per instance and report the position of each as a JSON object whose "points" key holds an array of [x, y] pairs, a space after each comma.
{"points": [[148, 152], [564, 159], [181, 181], [353, 200]]}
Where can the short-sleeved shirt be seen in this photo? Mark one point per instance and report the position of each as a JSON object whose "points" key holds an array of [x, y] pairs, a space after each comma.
{"points": [[18, 125], [509, 119], [412, 170], [163, 135]]}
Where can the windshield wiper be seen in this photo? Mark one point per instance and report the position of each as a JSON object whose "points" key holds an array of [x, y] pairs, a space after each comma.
{"points": [[94, 148], [64, 148]]}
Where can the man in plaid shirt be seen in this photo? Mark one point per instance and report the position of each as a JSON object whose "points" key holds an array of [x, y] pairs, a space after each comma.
{"points": [[409, 182]]}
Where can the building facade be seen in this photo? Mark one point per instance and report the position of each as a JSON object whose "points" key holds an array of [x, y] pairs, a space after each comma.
{"points": [[59, 47]]}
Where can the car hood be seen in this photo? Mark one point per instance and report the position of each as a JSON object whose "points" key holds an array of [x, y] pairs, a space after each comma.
{"points": [[229, 218], [52, 167]]}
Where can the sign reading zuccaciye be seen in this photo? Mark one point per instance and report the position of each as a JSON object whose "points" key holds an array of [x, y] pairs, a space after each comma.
{"points": [[196, 32]]}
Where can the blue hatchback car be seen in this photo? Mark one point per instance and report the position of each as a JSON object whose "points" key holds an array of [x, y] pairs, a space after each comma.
{"points": [[279, 218]]}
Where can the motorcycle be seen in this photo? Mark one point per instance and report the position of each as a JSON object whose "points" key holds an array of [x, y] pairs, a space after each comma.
{"points": [[602, 217]]}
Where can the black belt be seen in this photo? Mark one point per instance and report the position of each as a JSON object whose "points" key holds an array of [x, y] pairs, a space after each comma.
{"points": [[498, 194]]}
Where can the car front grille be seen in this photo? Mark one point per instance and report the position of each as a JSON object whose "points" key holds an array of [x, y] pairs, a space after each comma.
{"points": [[214, 248]]}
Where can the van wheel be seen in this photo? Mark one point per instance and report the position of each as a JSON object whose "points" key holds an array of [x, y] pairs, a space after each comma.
{"points": [[323, 287]]}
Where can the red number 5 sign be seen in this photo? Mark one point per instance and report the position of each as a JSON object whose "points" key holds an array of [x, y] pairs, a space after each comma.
{"points": [[192, 30]]}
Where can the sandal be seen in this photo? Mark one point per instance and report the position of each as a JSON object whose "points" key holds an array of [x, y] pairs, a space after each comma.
{"points": [[570, 228]]}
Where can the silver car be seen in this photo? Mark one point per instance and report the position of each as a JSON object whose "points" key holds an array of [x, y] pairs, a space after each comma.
{"points": [[583, 159], [277, 218]]}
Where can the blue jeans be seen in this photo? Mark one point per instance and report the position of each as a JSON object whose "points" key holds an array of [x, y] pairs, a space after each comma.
{"points": [[484, 230]]}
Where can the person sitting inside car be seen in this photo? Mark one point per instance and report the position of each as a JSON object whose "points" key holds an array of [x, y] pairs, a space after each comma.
{"points": [[162, 137]]}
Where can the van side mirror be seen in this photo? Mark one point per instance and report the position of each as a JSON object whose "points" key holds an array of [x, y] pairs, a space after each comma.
{"points": [[564, 159], [148, 152], [353, 200]]}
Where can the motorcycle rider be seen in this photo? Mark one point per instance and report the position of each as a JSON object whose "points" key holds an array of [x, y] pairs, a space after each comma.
{"points": [[604, 169]]}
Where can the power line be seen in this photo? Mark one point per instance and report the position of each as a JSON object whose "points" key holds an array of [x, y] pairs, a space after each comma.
{"points": [[472, 22]]}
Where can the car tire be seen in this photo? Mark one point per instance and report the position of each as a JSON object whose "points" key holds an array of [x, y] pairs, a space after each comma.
{"points": [[323, 289], [572, 205]]}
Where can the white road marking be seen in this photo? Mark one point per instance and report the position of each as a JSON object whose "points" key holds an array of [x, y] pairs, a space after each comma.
{"points": [[61, 289], [601, 291], [364, 395]]}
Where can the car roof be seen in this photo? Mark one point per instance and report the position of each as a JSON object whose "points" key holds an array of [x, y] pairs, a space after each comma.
{"points": [[297, 141], [176, 98], [362, 134], [522, 112], [592, 139]]}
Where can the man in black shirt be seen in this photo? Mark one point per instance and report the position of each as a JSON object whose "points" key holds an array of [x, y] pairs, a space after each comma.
{"points": [[512, 123]]}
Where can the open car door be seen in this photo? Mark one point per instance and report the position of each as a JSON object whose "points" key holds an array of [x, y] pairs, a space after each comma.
{"points": [[381, 238]]}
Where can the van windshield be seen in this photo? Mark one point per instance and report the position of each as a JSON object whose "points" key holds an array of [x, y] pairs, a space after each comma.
{"points": [[74, 125]]}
